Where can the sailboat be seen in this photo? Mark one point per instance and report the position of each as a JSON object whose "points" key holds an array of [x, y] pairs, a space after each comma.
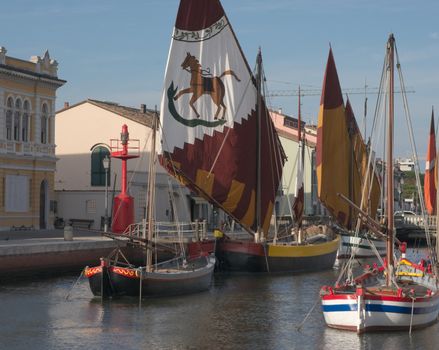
{"points": [[116, 276], [364, 244], [399, 294], [222, 144], [343, 168]]}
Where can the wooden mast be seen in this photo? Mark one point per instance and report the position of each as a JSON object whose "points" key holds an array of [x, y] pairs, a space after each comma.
{"points": [[299, 138], [151, 194], [389, 168], [259, 233]]}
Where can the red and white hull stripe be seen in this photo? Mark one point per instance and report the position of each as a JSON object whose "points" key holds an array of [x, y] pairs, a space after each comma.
{"points": [[361, 312]]}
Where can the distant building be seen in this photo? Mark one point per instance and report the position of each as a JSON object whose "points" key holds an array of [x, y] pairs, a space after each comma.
{"points": [[287, 129], [27, 140], [405, 164]]}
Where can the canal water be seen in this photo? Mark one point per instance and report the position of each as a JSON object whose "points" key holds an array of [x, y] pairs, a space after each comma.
{"points": [[239, 312]]}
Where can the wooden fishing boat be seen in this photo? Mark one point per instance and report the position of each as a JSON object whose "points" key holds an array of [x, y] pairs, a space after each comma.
{"points": [[183, 274], [399, 294], [225, 146], [359, 246], [172, 277]]}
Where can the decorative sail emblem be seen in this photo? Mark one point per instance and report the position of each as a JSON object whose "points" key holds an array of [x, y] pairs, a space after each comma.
{"points": [[201, 83]]}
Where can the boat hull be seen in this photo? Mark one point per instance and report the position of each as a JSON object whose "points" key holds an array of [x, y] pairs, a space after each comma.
{"points": [[247, 256], [364, 313], [359, 247], [166, 281]]}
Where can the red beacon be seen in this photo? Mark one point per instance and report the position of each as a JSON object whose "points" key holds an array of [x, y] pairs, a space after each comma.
{"points": [[123, 205]]}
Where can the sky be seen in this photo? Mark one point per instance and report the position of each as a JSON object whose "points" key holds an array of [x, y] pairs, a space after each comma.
{"points": [[116, 50]]}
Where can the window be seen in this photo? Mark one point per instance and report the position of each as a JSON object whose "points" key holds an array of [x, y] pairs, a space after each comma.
{"points": [[44, 120], [90, 206], [9, 113], [97, 166], [25, 122], [16, 193], [17, 119]]}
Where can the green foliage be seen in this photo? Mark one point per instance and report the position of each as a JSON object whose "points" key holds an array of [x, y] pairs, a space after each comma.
{"points": [[409, 189]]}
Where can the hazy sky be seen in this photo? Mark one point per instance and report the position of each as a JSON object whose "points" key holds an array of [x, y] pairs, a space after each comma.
{"points": [[116, 50]]}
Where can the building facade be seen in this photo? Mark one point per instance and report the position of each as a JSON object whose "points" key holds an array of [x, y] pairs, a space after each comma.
{"points": [[287, 129], [84, 134], [27, 141]]}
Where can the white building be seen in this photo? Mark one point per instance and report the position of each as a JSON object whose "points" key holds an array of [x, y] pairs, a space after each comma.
{"points": [[287, 129], [406, 164], [83, 134]]}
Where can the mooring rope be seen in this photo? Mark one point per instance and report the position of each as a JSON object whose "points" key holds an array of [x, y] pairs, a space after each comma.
{"points": [[307, 315]]}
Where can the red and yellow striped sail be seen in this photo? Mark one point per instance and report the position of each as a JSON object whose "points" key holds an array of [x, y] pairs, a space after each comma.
{"points": [[342, 156], [362, 185], [209, 117], [333, 147]]}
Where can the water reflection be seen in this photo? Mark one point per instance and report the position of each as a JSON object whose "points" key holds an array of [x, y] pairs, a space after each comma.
{"points": [[239, 312]]}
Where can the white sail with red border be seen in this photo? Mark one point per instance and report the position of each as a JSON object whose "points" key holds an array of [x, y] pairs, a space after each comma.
{"points": [[209, 118]]}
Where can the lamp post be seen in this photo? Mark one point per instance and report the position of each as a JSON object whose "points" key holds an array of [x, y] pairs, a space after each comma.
{"points": [[106, 164]]}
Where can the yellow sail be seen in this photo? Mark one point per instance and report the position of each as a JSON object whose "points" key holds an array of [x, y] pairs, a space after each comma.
{"points": [[342, 157]]}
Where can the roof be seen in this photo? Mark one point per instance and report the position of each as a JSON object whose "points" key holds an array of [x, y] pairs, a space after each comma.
{"points": [[19, 71], [134, 114]]}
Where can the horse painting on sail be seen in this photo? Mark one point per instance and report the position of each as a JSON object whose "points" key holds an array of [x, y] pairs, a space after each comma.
{"points": [[202, 83]]}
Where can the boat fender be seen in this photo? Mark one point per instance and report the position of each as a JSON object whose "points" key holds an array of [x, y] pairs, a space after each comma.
{"points": [[359, 291], [399, 293], [429, 269], [218, 233]]}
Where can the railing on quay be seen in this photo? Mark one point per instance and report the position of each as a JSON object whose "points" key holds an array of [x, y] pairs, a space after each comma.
{"points": [[169, 232]]}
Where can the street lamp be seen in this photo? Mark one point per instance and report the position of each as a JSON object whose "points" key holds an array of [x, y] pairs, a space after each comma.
{"points": [[106, 164]]}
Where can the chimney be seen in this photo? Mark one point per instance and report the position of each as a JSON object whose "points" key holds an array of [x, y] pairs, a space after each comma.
{"points": [[66, 105], [143, 108]]}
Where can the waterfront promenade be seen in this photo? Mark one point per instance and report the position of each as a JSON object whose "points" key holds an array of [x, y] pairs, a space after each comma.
{"points": [[48, 252]]}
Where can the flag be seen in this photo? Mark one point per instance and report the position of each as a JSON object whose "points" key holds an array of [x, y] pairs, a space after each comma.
{"points": [[430, 164]]}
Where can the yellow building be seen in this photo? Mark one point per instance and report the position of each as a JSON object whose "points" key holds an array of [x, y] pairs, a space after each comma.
{"points": [[27, 141]]}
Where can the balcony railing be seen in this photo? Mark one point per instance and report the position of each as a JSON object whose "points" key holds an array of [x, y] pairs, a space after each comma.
{"points": [[27, 148]]}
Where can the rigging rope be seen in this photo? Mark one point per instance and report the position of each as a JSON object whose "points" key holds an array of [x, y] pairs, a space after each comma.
{"points": [[416, 161]]}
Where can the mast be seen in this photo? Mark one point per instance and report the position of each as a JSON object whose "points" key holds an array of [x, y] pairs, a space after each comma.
{"points": [[259, 233], [151, 194], [389, 168], [299, 132]]}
